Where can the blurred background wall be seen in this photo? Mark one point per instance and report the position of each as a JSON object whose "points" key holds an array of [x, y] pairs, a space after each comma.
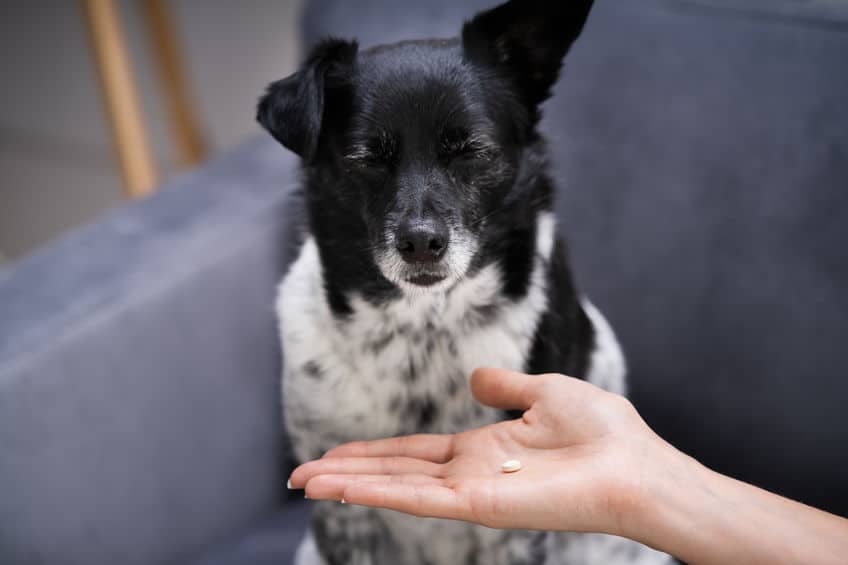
{"points": [[58, 167]]}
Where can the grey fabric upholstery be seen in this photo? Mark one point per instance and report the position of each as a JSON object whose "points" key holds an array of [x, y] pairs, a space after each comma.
{"points": [[703, 154], [139, 403], [705, 164], [702, 151]]}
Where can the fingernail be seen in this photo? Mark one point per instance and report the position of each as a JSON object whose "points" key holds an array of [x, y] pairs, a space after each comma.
{"points": [[288, 484], [305, 495], [342, 501]]}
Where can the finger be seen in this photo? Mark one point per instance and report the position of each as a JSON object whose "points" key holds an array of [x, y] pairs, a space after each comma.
{"points": [[362, 466], [434, 501], [430, 447], [508, 390], [332, 487]]}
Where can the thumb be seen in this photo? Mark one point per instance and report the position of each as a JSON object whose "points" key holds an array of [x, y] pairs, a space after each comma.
{"points": [[508, 390]]}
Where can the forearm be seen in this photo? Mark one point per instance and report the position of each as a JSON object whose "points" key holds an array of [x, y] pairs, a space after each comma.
{"points": [[703, 517]]}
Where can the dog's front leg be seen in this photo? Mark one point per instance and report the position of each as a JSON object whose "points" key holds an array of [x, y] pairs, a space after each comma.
{"points": [[350, 535]]}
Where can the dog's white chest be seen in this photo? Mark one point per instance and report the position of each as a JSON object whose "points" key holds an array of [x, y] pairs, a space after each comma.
{"points": [[397, 368]]}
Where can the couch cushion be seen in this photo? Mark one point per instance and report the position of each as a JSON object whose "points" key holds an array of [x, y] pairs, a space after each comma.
{"points": [[272, 541]]}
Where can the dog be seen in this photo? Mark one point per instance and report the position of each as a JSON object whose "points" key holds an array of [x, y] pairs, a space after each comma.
{"points": [[431, 249]]}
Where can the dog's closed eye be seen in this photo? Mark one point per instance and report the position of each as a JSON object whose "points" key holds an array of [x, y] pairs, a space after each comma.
{"points": [[379, 150], [454, 142], [459, 143]]}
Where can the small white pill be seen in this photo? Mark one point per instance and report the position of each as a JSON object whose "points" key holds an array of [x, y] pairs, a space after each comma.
{"points": [[511, 466]]}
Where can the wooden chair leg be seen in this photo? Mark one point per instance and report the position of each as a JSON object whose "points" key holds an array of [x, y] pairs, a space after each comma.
{"points": [[121, 95], [166, 49]]}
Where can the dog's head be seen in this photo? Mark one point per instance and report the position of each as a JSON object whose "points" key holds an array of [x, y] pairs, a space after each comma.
{"points": [[411, 149]]}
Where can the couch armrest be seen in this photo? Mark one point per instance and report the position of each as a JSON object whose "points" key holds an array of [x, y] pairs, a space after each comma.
{"points": [[139, 397]]}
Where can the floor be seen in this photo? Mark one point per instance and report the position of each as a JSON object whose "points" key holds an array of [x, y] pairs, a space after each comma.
{"points": [[58, 168]]}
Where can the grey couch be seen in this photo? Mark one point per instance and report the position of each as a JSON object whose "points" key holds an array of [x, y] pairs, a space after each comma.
{"points": [[702, 150]]}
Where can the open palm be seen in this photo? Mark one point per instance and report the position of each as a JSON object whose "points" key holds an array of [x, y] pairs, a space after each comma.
{"points": [[580, 449]]}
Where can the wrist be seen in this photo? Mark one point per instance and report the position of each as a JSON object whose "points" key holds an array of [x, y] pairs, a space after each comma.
{"points": [[664, 501], [679, 506], [687, 510]]}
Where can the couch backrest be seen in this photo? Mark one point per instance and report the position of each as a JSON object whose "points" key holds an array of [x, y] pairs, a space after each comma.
{"points": [[704, 158]]}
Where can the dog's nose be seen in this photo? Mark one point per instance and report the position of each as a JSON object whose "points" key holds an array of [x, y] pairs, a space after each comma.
{"points": [[422, 241]]}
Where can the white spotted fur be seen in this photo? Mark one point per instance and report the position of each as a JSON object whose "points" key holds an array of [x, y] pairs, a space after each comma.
{"points": [[352, 399]]}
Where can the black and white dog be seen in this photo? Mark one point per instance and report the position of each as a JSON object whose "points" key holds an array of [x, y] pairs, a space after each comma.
{"points": [[431, 250]]}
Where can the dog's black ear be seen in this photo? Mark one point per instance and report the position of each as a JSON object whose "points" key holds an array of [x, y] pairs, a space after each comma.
{"points": [[527, 39], [292, 108]]}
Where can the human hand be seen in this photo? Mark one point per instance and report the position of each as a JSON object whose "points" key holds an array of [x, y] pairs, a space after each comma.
{"points": [[585, 455]]}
